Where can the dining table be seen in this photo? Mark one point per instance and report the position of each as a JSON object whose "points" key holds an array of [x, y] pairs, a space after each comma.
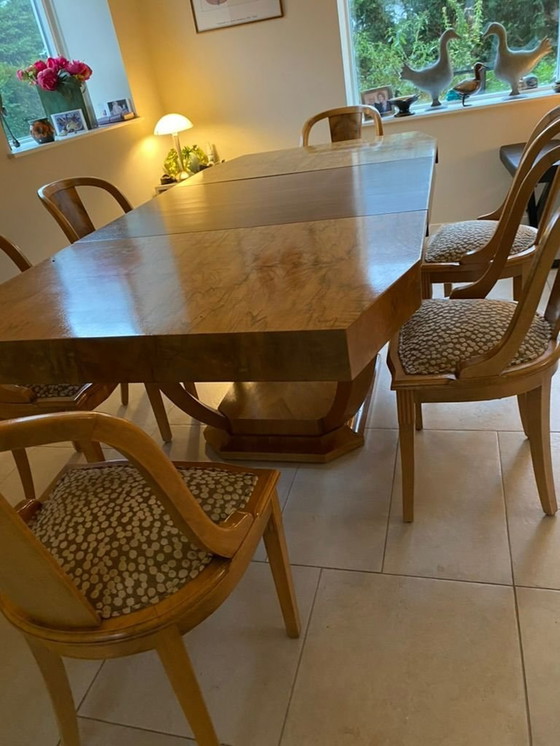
{"points": [[283, 272]]}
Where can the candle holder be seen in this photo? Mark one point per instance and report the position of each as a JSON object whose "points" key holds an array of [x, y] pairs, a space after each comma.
{"points": [[403, 104]]}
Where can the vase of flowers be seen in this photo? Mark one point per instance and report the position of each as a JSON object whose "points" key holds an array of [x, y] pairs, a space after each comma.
{"points": [[60, 84]]}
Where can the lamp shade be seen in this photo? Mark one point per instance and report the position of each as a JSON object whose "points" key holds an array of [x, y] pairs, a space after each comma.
{"points": [[170, 124]]}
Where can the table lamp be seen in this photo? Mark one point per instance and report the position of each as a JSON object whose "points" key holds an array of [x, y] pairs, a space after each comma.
{"points": [[172, 124]]}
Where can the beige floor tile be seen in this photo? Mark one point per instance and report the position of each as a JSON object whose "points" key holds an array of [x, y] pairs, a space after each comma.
{"points": [[245, 663], [459, 528], [539, 617], [46, 462], [138, 409], [408, 662], [336, 514], [25, 709], [96, 733], [534, 537]]}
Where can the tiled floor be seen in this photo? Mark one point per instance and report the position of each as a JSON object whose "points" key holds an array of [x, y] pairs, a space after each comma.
{"points": [[445, 632]]}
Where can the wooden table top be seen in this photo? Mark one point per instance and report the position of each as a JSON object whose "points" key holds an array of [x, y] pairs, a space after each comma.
{"points": [[291, 276]]}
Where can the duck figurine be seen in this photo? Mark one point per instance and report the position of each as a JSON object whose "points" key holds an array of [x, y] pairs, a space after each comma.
{"points": [[436, 77], [469, 86], [512, 64]]}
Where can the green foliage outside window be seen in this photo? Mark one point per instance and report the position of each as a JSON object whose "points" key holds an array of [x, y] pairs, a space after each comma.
{"points": [[387, 33], [20, 44]]}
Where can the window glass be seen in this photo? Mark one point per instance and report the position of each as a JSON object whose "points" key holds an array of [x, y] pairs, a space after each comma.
{"points": [[386, 34], [22, 41]]}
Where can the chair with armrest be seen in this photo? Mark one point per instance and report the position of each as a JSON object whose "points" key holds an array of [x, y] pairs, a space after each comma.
{"points": [[459, 252], [62, 200], [201, 524], [470, 348], [345, 123], [31, 399]]}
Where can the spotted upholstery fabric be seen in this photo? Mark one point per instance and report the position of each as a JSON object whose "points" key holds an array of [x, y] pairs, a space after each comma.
{"points": [[52, 390], [444, 332], [113, 537], [453, 240]]}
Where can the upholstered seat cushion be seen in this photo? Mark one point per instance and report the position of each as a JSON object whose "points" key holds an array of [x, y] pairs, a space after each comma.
{"points": [[110, 533], [443, 333], [52, 390], [453, 240]]}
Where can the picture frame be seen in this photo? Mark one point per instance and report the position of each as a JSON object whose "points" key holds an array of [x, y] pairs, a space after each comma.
{"points": [[68, 123], [118, 108], [215, 14], [379, 97]]}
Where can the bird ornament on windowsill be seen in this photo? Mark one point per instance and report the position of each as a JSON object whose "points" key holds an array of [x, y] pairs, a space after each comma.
{"points": [[470, 86], [436, 77], [512, 64]]}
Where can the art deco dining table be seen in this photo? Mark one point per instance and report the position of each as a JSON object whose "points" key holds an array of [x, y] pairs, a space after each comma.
{"points": [[282, 272]]}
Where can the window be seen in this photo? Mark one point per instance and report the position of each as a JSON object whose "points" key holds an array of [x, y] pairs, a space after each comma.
{"points": [[35, 29], [387, 33], [24, 38]]}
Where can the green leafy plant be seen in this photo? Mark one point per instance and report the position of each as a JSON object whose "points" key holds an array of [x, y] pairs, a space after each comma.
{"points": [[193, 159]]}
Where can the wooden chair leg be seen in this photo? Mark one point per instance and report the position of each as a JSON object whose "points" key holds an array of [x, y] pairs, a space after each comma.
{"points": [[58, 687], [538, 421], [124, 394], [447, 289], [418, 415], [24, 470], [405, 411], [178, 667], [426, 286], [522, 406], [275, 543], [517, 287], [156, 400], [92, 451]]}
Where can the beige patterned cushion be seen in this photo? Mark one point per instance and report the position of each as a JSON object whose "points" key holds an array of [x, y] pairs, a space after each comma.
{"points": [[52, 390], [453, 240], [109, 532], [444, 332]]}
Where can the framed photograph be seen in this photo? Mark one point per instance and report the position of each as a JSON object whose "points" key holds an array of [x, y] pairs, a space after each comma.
{"points": [[379, 97], [214, 14], [69, 122], [117, 108]]}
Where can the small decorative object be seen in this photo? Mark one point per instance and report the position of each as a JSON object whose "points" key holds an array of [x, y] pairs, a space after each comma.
{"points": [[213, 14], [528, 83], [41, 130], [69, 122], [469, 86], [403, 104], [512, 64], [380, 98], [435, 78], [60, 84], [556, 86], [14, 142], [117, 109]]}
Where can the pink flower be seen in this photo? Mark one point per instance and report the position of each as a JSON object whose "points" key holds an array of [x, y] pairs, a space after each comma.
{"points": [[57, 63], [79, 70], [48, 79], [39, 65]]}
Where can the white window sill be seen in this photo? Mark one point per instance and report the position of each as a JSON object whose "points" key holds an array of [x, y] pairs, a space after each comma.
{"points": [[30, 147], [475, 103]]}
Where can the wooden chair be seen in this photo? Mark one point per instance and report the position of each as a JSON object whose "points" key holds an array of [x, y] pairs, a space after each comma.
{"points": [[70, 599], [459, 252], [471, 348], [31, 399], [62, 200], [345, 123]]}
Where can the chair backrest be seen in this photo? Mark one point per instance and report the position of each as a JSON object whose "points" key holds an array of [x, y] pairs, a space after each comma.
{"points": [[536, 161], [548, 242], [62, 200], [345, 123], [32, 583], [14, 253]]}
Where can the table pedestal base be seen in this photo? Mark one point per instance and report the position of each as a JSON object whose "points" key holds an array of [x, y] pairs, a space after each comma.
{"points": [[313, 422]]}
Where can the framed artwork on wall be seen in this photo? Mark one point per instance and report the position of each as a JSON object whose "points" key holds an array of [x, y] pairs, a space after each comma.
{"points": [[214, 14]]}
